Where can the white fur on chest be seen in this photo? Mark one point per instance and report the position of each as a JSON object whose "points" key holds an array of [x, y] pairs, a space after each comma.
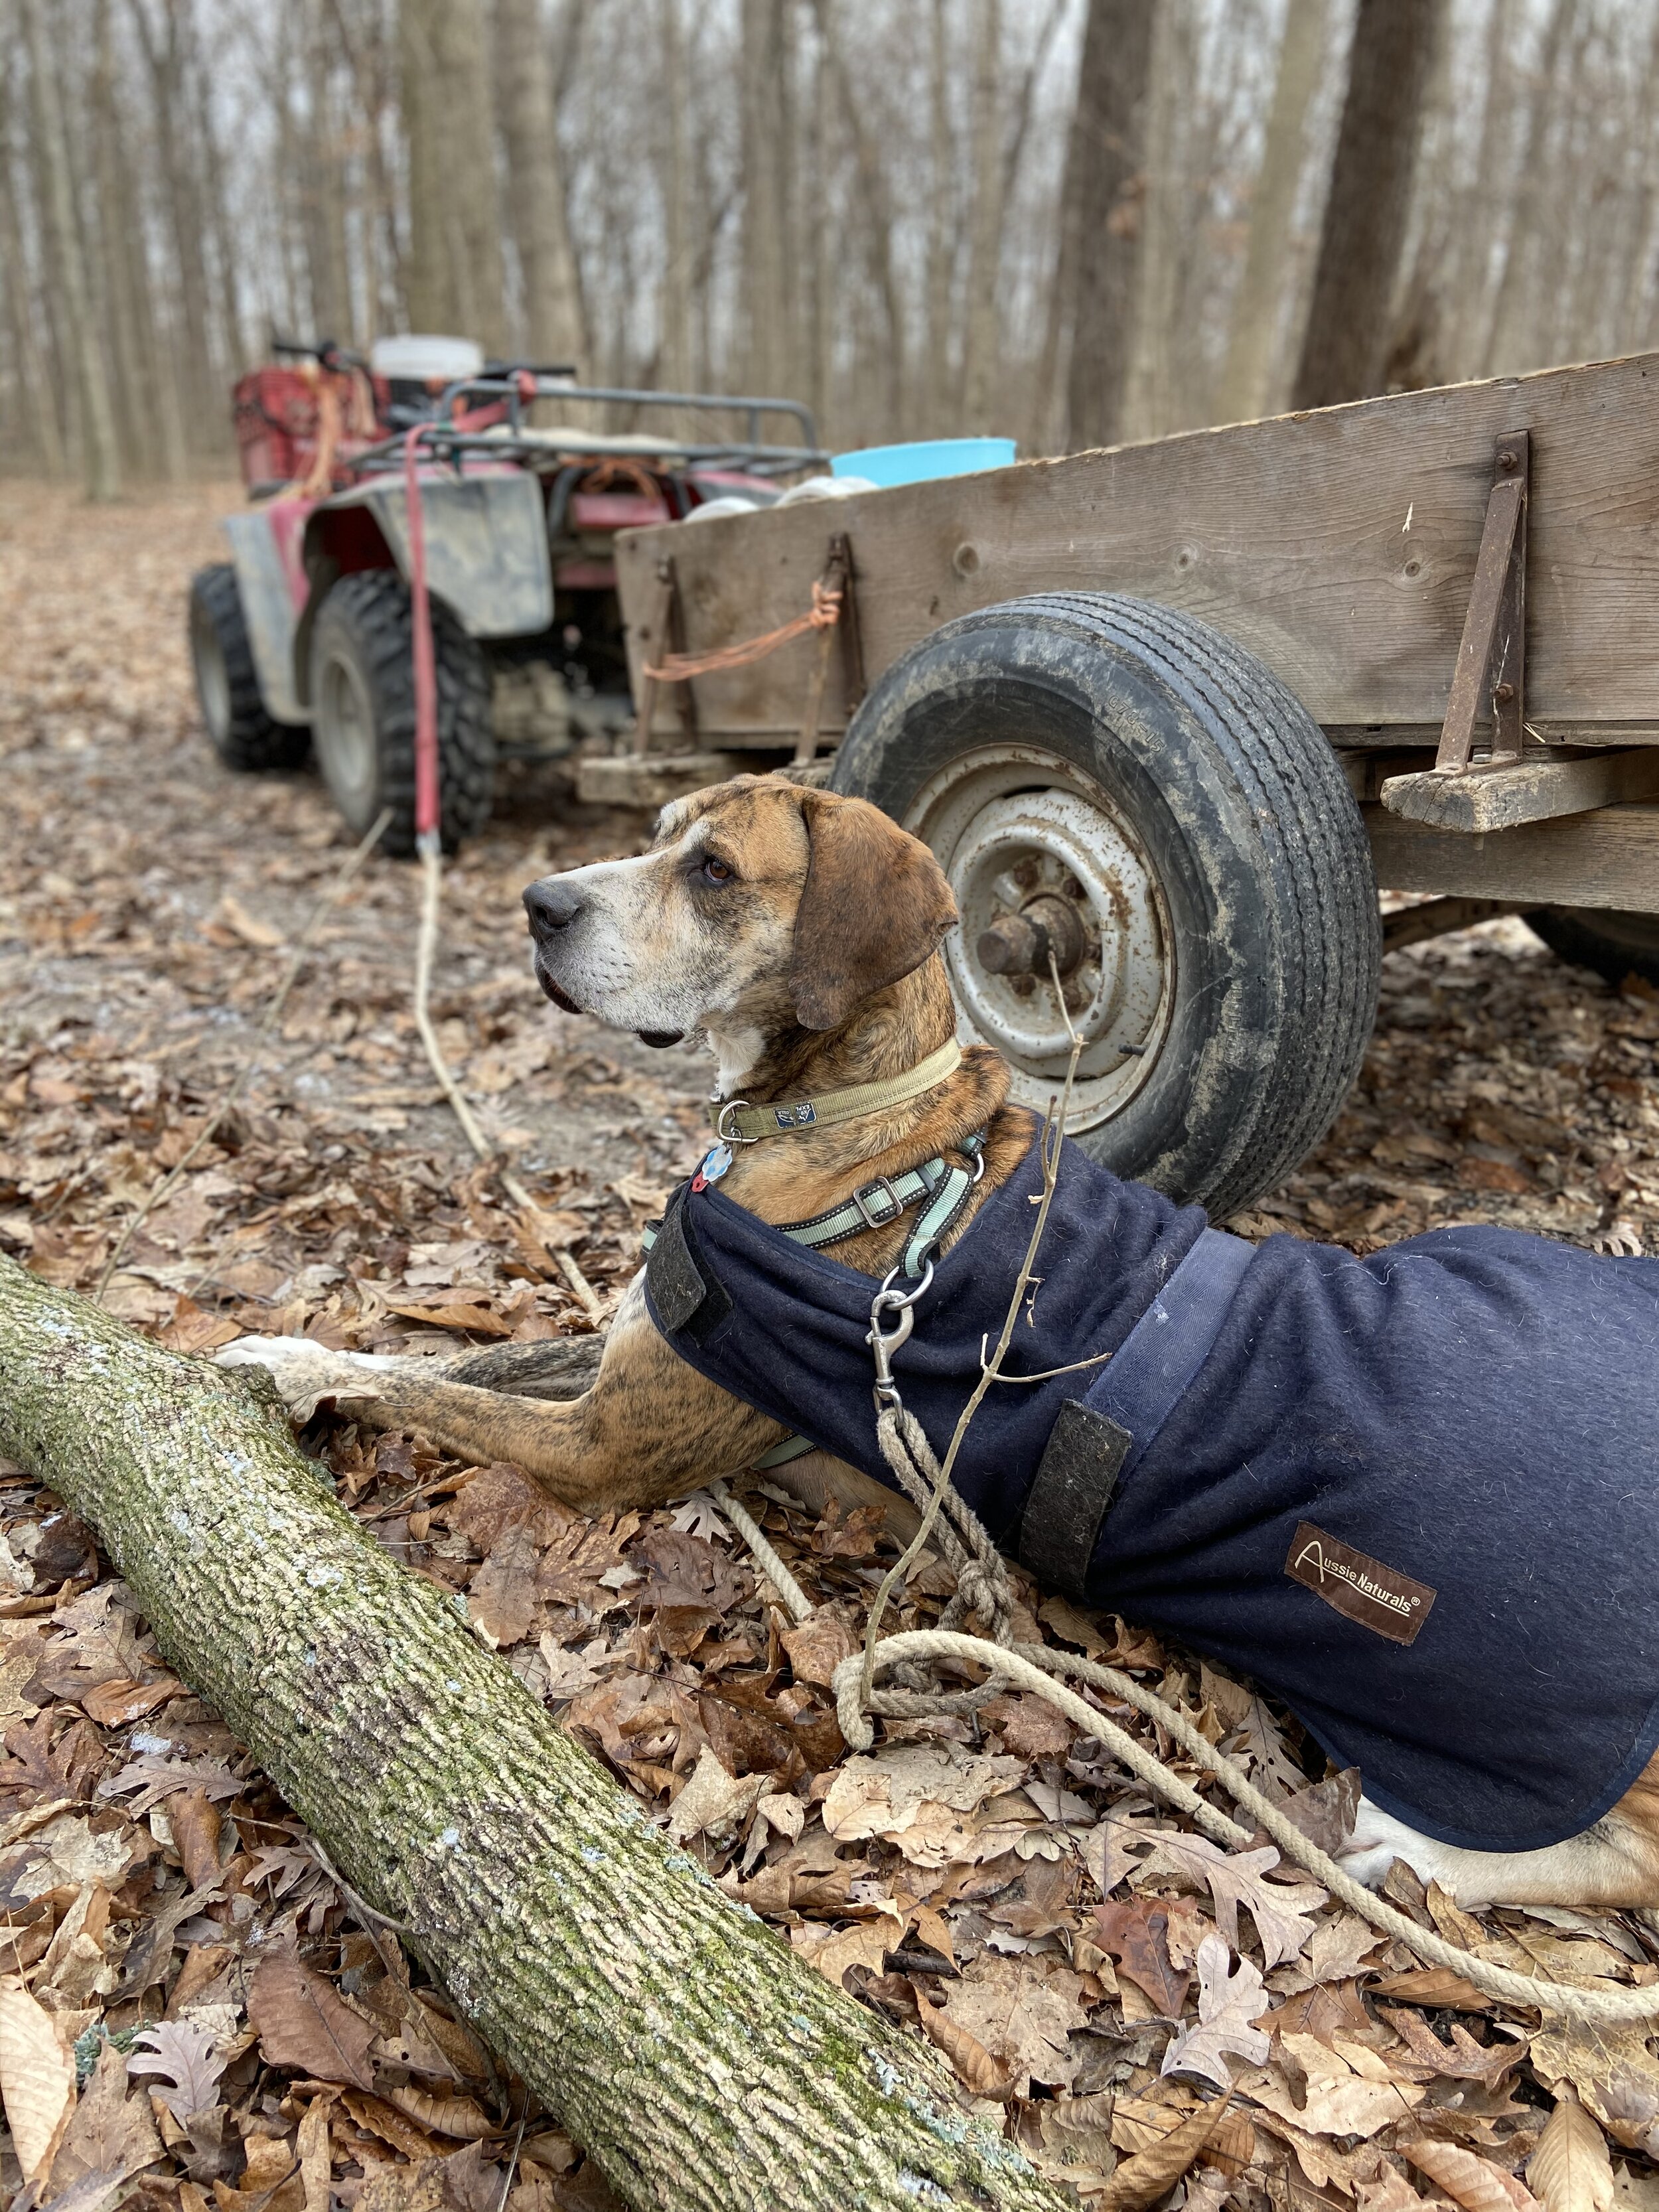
{"points": [[736, 1049]]}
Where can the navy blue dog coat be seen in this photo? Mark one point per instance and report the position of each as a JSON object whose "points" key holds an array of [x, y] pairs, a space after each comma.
{"points": [[1416, 1495]]}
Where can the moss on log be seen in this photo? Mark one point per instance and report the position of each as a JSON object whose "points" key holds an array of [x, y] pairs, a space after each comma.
{"points": [[697, 2060]]}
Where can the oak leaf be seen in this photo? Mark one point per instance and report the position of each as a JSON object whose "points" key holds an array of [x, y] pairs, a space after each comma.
{"points": [[1235, 1879], [975, 2068], [1023, 2011], [1228, 2004], [186, 2057]]}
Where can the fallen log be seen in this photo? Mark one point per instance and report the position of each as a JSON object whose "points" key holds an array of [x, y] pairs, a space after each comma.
{"points": [[699, 2062]]}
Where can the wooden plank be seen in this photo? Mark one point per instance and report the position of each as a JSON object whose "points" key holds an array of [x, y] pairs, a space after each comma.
{"points": [[1339, 546], [652, 779], [1608, 859], [1536, 790]]}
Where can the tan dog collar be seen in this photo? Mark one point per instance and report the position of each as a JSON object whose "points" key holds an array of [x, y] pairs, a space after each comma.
{"points": [[736, 1123]]}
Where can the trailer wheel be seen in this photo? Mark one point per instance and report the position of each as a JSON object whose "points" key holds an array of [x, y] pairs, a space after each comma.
{"points": [[1162, 806], [244, 735], [362, 697], [1614, 942]]}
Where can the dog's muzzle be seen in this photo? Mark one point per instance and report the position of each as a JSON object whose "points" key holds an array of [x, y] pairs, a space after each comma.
{"points": [[552, 906]]}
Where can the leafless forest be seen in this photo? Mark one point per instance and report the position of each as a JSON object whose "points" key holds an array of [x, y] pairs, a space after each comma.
{"points": [[1068, 221]]}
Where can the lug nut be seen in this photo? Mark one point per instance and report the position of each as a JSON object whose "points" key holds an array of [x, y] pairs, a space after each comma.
{"points": [[1020, 943], [1013, 945]]}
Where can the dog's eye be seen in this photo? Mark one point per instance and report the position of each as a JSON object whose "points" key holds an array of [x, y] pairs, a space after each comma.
{"points": [[715, 871]]}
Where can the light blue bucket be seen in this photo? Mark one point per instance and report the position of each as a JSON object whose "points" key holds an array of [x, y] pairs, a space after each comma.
{"points": [[919, 463]]}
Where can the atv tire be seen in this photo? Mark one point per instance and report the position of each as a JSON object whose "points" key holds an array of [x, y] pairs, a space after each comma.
{"points": [[1614, 943], [244, 737], [1086, 750], [363, 698]]}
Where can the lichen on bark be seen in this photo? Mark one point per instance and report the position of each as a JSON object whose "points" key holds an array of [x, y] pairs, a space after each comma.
{"points": [[699, 2062]]}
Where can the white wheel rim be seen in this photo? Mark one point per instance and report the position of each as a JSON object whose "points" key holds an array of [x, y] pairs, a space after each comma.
{"points": [[345, 728], [1010, 823], [212, 677]]}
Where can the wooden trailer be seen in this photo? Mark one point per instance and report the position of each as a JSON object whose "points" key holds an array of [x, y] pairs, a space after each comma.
{"points": [[1171, 714]]}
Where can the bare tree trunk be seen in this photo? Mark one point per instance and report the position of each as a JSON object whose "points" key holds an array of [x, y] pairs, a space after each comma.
{"points": [[699, 2061], [323, 188], [165, 53], [1105, 185], [554, 327], [32, 375], [766, 293], [1510, 301], [1156, 388], [871, 179], [101, 451], [1258, 311], [1368, 208], [136, 409], [942, 224], [454, 277], [982, 333]]}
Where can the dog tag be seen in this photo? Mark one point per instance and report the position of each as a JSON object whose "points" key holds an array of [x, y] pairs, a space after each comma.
{"points": [[713, 1167]]}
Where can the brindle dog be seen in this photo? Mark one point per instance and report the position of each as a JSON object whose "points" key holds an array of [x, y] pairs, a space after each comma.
{"points": [[798, 932]]}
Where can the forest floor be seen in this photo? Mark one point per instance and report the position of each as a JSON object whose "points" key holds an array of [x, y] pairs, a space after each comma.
{"points": [[997, 1888]]}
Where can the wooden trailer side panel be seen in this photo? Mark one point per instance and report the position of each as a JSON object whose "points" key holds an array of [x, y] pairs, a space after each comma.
{"points": [[1338, 546]]}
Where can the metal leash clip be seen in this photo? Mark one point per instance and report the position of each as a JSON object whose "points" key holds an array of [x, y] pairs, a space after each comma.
{"points": [[885, 1343]]}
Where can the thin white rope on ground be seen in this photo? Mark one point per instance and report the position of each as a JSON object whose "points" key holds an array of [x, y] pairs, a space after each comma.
{"points": [[425, 954]]}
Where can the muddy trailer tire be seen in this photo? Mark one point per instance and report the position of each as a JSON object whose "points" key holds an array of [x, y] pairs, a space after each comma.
{"points": [[244, 737], [363, 704], [1615, 943], [1160, 803]]}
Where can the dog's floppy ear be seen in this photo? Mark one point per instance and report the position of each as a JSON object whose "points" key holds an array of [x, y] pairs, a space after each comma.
{"points": [[875, 905]]}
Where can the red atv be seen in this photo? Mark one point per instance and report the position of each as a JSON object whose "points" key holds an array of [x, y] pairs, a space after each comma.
{"points": [[304, 636]]}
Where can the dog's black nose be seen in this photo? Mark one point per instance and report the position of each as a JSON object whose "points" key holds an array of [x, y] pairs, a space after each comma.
{"points": [[552, 905]]}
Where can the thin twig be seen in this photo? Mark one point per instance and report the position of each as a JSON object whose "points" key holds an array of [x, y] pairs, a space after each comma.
{"points": [[329, 899], [358, 1905]]}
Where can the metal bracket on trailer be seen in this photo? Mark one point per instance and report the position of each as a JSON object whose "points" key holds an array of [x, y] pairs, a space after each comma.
{"points": [[665, 633], [1490, 679]]}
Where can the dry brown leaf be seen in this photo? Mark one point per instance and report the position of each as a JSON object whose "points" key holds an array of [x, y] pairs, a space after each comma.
{"points": [[1235, 1878], [247, 927], [1613, 2070], [1136, 1936], [196, 1825], [1474, 2182], [975, 2068], [303, 2026], [316, 2166], [471, 1318], [112, 1704], [391, 2125], [1389, 2191], [1435, 1987], [462, 2117], [1571, 2171], [712, 1802], [37, 2081], [501, 1598], [818, 1645], [109, 2130], [1228, 2005], [1150, 2174], [833, 1951], [1350, 2090], [1463, 2059], [1023, 2012]]}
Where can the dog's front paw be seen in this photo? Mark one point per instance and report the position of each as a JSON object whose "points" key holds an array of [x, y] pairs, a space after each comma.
{"points": [[305, 1373]]}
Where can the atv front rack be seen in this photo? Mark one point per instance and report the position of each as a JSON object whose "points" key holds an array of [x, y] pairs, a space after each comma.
{"points": [[515, 388]]}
